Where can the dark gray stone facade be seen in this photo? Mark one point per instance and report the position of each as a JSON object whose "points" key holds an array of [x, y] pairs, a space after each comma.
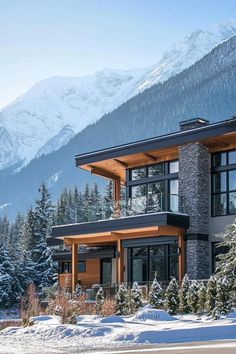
{"points": [[194, 165]]}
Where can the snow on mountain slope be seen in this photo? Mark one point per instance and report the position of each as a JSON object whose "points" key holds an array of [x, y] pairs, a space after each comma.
{"points": [[40, 114], [34, 123], [187, 52], [57, 141]]}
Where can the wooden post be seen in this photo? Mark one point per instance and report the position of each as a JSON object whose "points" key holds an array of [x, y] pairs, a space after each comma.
{"points": [[181, 258], [120, 262], [116, 197], [74, 278]]}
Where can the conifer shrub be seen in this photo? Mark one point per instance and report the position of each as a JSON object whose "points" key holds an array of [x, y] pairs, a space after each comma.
{"points": [[183, 292], [122, 300], [171, 298], [135, 298], [100, 299], [155, 296], [211, 294], [192, 297], [201, 306]]}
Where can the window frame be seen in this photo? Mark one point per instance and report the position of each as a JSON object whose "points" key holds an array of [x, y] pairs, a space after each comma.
{"points": [[84, 264], [166, 177], [221, 169]]}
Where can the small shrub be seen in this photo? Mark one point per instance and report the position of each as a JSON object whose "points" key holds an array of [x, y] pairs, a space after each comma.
{"points": [[171, 301], [183, 292], [108, 307], [155, 294], [61, 306], [135, 298], [122, 300], [29, 305], [99, 300]]}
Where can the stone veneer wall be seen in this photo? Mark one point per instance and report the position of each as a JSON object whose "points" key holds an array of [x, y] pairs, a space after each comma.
{"points": [[194, 172]]}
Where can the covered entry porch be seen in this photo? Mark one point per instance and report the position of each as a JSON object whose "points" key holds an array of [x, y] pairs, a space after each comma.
{"points": [[143, 244]]}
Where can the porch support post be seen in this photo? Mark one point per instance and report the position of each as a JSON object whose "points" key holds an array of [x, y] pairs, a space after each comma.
{"points": [[181, 258], [74, 249], [120, 262], [116, 197]]}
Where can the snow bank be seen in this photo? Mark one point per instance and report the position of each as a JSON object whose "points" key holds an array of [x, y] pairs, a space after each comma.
{"points": [[112, 319], [148, 313]]}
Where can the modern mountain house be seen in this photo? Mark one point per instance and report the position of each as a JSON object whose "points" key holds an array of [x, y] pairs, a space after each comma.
{"points": [[180, 192]]}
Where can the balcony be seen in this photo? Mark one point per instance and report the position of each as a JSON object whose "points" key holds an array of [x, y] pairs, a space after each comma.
{"points": [[154, 203]]}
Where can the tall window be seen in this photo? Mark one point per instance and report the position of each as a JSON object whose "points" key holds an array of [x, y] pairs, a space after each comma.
{"points": [[154, 188], [145, 262], [224, 183]]}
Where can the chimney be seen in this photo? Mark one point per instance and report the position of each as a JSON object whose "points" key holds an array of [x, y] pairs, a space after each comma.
{"points": [[193, 123]]}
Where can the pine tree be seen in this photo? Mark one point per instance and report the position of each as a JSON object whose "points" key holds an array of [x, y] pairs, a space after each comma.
{"points": [[171, 298], [7, 274], [122, 300], [192, 297], [201, 299], [28, 232], [135, 298], [99, 300], [41, 254], [183, 302], [155, 294], [211, 294]]}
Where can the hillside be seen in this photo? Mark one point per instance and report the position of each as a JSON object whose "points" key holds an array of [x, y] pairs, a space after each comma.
{"points": [[45, 118], [207, 89]]}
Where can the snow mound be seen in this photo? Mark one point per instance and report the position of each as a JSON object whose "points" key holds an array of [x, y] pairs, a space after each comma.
{"points": [[150, 314], [231, 314], [46, 320], [112, 319]]}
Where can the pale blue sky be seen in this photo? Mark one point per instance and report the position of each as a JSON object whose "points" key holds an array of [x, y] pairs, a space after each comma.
{"points": [[43, 38]]}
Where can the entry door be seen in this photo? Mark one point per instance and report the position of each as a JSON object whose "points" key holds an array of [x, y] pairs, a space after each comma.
{"points": [[106, 271]]}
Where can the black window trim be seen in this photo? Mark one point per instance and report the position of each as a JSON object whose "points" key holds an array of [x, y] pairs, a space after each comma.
{"points": [[225, 168]]}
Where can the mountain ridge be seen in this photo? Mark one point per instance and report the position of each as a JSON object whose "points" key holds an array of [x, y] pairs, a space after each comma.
{"points": [[33, 120]]}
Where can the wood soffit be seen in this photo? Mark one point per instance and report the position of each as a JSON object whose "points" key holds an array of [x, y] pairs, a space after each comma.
{"points": [[115, 168]]}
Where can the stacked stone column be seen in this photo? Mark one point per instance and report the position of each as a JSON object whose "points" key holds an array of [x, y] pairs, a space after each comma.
{"points": [[194, 172]]}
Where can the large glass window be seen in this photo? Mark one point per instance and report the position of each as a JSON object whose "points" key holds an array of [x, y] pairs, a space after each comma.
{"points": [[82, 266], [224, 183], [154, 188], [147, 261]]}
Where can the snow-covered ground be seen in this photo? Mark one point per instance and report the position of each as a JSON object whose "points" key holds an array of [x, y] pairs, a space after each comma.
{"points": [[148, 326]]}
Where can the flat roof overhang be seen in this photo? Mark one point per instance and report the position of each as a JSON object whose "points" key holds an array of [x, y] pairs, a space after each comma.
{"points": [[112, 162], [94, 233]]}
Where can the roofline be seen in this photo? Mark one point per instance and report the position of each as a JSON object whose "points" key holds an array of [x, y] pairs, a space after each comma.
{"points": [[176, 138]]}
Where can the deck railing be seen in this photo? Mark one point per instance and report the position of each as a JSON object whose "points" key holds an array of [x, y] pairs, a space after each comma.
{"points": [[152, 203]]}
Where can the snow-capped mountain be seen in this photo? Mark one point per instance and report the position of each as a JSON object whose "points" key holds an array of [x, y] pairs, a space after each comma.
{"points": [[187, 52], [35, 123]]}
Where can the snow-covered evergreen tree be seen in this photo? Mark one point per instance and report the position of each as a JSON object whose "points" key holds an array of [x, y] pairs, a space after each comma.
{"points": [[192, 296], [41, 254], [201, 306], [99, 300], [8, 292], [171, 298], [122, 300], [183, 301], [223, 303], [155, 294], [211, 294], [135, 298]]}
